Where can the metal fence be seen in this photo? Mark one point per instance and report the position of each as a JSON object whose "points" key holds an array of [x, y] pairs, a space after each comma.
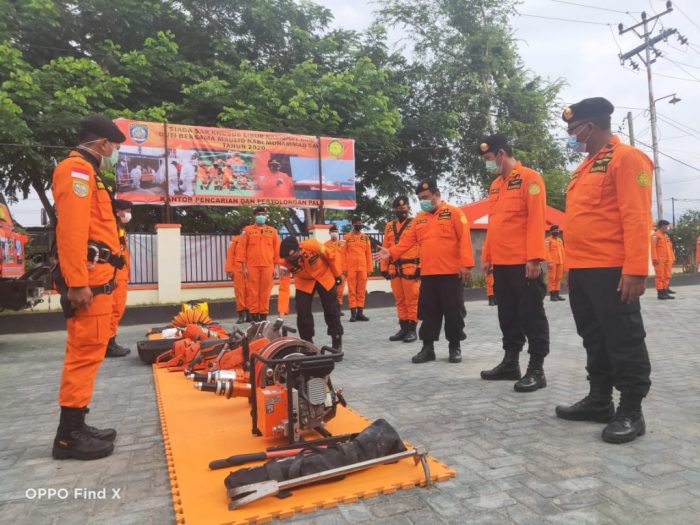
{"points": [[144, 258]]}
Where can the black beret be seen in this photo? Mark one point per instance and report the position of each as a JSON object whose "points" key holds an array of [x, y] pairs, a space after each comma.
{"points": [[662, 222], [333, 228], [122, 204], [399, 201], [355, 219], [260, 209], [288, 246], [588, 108], [102, 127], [554, 228], [426, 184], [492, 144]]}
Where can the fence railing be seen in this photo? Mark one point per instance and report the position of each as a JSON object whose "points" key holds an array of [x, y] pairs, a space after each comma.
{"points": [[144, 258]]}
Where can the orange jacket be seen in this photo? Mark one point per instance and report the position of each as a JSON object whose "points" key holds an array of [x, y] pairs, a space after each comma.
{"points": [[84, 210], [338, 254], [392, 230], [443, 238], [662, 247], [233, 254], [608, 210], [276, 185], [260, 246], [554, 248], [357, 252], [123, 274], [516, 226]]}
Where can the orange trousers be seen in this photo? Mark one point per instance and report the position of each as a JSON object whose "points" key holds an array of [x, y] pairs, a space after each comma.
{"points": [[258, 289], [554, 275], [340, 289], [239, 289], [118, 305], [88, 335], [662, 274], [357, 288], [406, 294], [489, 285]]}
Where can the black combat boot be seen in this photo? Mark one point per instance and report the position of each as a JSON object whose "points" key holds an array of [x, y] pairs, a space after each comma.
{"points": [[455, 353], [337, 343], [115, 350], [340, 310], [361, 315], [559, 297], [410, 332], [104, 434], [553, 296], [398, 336], [596, 406], [492, 300], [427, 353], [628, 422], [353, 315], [662, 295], [670, 292], [534, 378], [241, 317], [248, 318], [73, 441], [509, 368]]}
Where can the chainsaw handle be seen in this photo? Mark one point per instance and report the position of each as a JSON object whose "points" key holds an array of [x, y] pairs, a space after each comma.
{"points": [[240, 459]]}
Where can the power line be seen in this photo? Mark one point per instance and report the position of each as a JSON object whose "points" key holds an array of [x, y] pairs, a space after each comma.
{"points": [[686, 16], [566, 19], [666, 155], [681, 68], [594, 7], [677, 78], [679, 123]]}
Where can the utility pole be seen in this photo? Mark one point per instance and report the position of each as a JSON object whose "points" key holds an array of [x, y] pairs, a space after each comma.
{"points": [[643, 53], [630, 127], [673, 211]]}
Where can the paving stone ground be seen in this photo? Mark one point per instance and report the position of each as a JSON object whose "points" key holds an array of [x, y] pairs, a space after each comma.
{"points": [[515, 461]]}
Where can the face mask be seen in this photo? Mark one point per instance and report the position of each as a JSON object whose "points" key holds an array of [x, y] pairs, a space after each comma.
{"points": [[357, 227], [125, 217], [260, 219], [576, 145], [401, 215], [334, 236], [427, 205]]}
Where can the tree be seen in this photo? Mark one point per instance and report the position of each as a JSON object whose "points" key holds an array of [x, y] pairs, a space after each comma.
{"points": [[684, 236]]}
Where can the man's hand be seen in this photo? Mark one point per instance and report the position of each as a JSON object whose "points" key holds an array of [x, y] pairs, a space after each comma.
{"points": [[486, 267], [229, 275], [244, 267], [283, 271], [276, 272], [533, 269], [631, 288], [80, 297], [382, 255], [465, 273]]}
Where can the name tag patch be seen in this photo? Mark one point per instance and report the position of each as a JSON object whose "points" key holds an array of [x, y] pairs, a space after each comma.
{"points": [[515, 184]]}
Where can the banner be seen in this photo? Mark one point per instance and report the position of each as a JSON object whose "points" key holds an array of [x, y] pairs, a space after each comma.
{"points": [[229, 167]]}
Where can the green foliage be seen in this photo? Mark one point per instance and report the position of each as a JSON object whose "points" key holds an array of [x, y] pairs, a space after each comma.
{"points": [[684, 237]]}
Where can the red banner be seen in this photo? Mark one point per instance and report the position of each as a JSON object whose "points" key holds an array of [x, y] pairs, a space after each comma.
{"points": [[193, 165]]}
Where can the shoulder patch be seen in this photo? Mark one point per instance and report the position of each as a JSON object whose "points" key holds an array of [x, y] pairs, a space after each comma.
{"points": [[644, 179], [79, 174], [534, 188], [463, 219], [80, 188]]}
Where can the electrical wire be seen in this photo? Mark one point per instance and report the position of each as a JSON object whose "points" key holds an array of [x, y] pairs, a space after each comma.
{"points": [[566, 19], [595, 7], [676, 6]]}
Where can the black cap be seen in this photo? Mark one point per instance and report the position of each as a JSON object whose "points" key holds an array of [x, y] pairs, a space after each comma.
{"points": [[662, 222], [355, 219], [289, 246], [399, 201], [102, 127], [492, 144], [333, 228], [122, 204], [260, 209], [588, 108], [426, 184]]}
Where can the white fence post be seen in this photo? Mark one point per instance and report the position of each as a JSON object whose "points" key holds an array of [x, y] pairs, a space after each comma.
{"points": [[169, 271]]}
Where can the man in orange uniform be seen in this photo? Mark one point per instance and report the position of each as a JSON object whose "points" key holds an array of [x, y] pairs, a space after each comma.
{"points": [[697, 252], [490, 293], [121, 281], [357, 253], [403, 273], [260, 246], [336, 245], [662, 257], [314, 270], [514, 249], [274, 183], [609, 191], [86, 225], [554, 249], [445, 251], [234, 269]]}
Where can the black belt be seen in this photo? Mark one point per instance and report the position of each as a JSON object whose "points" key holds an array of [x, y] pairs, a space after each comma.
{"points": [[100, 253], [106, 288], [407, 261]]}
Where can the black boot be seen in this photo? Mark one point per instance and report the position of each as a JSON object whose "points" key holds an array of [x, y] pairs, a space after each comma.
{"points": [[670, 292], [73, 441], [340, 310], [509, 368], [248, 318], [353, 315], [410, 332], [628, 422], [455, 353], [427, 353], [559, 297], [662, 295], [115, 350], [553, 296], [596, 406], [492, 300], [398, 336], [241, 317], [361, 315], [337, 342], [103, 434], [534, 378]]}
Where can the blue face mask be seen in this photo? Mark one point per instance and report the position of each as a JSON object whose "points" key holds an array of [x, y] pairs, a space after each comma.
{"points": [[260, 219], [573, 143], [492, 167], [426, 205]]}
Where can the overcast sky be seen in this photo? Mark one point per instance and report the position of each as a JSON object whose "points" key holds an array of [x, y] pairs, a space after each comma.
{"points": [[584, 53]]}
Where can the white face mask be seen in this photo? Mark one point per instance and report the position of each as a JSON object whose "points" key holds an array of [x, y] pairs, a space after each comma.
{"points": [[125, 217], [334, 236]]}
